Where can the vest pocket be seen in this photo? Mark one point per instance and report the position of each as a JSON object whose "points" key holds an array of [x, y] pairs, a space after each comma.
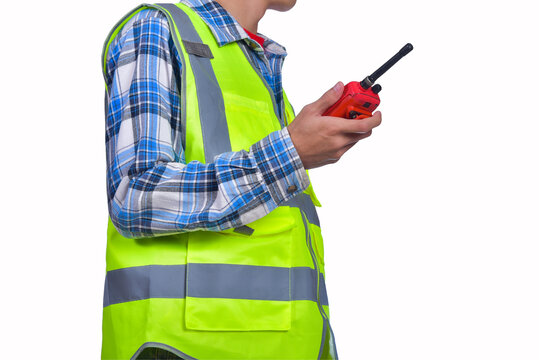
{"points": [[238, 282]]}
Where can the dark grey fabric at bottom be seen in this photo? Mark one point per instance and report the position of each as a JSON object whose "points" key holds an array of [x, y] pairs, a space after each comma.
{"points": [[152, 353], [159, 351]]}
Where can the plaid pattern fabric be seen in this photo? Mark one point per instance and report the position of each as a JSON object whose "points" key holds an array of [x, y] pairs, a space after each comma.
{"points": [[151, 189]]}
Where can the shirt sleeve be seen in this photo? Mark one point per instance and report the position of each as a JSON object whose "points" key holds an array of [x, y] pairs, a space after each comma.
{"points": [[151, 190]]}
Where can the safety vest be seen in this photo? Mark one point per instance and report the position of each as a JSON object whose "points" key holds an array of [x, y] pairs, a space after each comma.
{"points": [[255, 292]]}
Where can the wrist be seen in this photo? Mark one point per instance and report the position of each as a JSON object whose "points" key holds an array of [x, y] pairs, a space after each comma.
{"points": [[280, 166]]}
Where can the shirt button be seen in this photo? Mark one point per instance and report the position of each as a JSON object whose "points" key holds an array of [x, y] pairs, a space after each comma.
{"points": [[291, 189]]}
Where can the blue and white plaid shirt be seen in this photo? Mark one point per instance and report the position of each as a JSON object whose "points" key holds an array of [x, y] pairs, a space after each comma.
{"points": [[151, 189]]}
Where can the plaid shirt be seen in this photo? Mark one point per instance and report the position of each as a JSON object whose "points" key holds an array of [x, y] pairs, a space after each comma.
{"points": [[151, 189]]}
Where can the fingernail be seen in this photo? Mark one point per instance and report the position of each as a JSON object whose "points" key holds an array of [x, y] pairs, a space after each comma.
{"points": [[338, 87]]}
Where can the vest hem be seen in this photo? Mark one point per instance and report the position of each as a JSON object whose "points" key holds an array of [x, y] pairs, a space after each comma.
{"points": [[162, 347]]}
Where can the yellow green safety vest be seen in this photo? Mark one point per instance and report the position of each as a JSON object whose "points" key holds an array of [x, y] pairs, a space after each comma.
{"points": [[256, 292]]}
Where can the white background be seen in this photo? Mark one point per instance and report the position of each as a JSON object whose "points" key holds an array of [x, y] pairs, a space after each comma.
{"points": [[430, 225]]}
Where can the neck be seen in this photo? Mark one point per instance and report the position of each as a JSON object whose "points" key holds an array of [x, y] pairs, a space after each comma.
{"points": [[247, 13]]}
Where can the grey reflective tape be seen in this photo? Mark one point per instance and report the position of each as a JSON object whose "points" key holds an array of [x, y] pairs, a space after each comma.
{"points": [[305, 204], [198, 49], [183, 23], [212, 280], [211, 105], [238, 282], [323, 291], [304, 285], [144, 282]]}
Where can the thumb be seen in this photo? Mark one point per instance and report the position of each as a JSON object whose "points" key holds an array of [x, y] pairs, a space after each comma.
{"points": [[329, 98]]}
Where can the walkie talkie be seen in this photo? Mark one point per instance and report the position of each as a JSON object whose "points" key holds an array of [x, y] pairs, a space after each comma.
{"points": [[360, 99]]}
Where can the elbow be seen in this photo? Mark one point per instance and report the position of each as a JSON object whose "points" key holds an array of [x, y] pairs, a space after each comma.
{"points": [[123, 223], [122, 218]]}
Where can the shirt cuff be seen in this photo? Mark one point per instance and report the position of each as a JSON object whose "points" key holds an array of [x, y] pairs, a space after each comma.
{"points": [[280, 166]]}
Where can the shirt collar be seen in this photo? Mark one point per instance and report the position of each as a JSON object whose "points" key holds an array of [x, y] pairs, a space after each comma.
{"points": [[226, 29]]}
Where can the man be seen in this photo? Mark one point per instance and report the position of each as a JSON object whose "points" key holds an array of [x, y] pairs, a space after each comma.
{"points": [[214, 247]]}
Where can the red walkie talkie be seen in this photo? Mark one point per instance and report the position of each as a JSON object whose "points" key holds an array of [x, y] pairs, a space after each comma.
{"points": [[360, 99]]}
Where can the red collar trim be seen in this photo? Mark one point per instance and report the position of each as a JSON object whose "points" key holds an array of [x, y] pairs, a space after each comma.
{"points": [[255, 37]]}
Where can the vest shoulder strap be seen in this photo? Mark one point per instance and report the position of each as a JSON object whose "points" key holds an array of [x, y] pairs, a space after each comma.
{"points": [[190, 38], [211, 106]]}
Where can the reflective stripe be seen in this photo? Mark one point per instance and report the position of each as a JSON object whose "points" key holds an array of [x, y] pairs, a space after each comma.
{"points": [[144, 282], [211, 105], [238, 282], [305, 204], [212, 281], [323, 291]]}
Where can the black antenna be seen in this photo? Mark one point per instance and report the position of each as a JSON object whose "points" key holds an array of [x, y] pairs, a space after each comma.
{"points": [[371, 79]]}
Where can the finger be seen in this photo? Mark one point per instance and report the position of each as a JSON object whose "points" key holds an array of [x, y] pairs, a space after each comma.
{"points": [[360, 126], [329, 98]]}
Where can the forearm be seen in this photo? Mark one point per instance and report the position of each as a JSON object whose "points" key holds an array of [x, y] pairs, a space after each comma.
{"points": [[236, 189]]}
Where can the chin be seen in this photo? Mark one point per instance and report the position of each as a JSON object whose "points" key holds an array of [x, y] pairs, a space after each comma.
{"points": [[282, 5]]}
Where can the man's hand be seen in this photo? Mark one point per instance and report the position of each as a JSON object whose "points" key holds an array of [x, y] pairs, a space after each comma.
{"points": [[321, 140]]}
